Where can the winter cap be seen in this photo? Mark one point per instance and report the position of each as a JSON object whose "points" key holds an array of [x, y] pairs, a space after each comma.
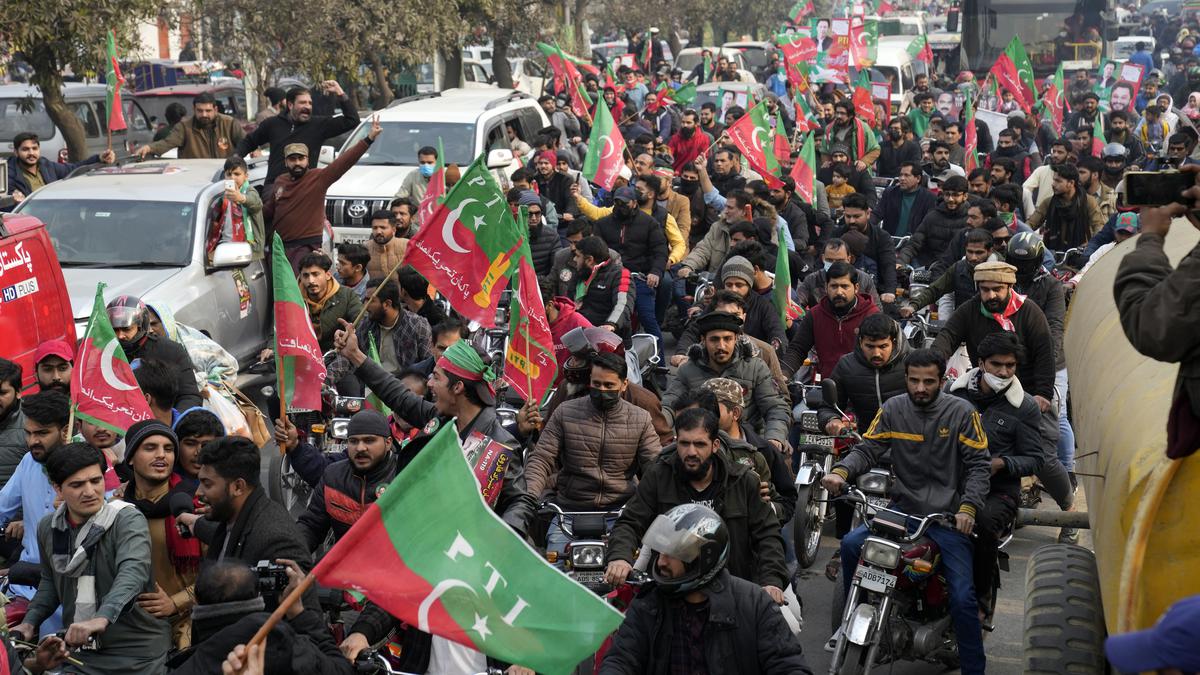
{"points": [[726, 390], [839, 147], [295, 149], [58, 348], [547, 156], [1171, 643], [140, 431], [562, 156], [718, 321], [529, 198], [370, 423], [996, 271], [738, 267]]}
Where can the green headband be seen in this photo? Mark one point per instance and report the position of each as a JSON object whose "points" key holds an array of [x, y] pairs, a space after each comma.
{"points": [[462, 360]]}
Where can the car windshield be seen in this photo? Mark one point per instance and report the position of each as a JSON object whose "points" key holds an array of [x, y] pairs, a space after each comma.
{"points": [[688, 60], [895, 27], [117, 233], [24, 114], [400, 141], [755, 58]]}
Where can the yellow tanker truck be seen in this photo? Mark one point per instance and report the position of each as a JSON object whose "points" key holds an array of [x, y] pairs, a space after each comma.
{"points": [[1142, 507]]}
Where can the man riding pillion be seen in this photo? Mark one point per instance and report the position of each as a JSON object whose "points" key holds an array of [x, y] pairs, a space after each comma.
{"points": [[697, 617], [131, 323], [917, 431]]}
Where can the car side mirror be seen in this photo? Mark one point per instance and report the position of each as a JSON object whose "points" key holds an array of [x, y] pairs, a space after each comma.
{"points": [[231, 254], [499, 158], [327, 154]]}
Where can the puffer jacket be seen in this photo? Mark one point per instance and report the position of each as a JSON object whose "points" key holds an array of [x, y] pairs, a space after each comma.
{"points": [[634, 393], [543, 242], [12, 441], [934, 235], [767, 411], [638, 238], [596, 454], [608, 296], [833, 336], [863, 387], [342, 497], [385, 257]]}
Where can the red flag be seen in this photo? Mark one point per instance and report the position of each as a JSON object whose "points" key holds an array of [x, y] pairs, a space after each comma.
{"points": [[864, 105], [298, 359], [781, 145], [750, 134], [970, 135], [1014, 71], [103, 389], [606, 149], [804, 170], [435, 189], [530, 368], [114, 80]]}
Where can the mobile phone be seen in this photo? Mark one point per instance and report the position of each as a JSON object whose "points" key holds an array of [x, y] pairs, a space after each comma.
{"points": [[229, 185], [1156, 188]]}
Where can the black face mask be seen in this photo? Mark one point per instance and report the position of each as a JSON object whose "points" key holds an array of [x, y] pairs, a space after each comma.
{"points": [[604, 400], [895, 134], [689, 187], [1113, 170], [622, 210]]}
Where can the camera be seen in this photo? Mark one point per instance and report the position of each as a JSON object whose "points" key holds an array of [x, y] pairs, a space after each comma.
{"points": [[272, 578]]}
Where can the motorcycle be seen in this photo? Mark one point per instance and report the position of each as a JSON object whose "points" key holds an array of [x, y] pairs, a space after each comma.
{"points": [[583, 558], [817, 453], [898, 606]]}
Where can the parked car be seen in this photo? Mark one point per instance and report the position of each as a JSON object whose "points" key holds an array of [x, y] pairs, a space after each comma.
{"points": [[21, 109], [140, 228], [468, 122], [756, 55], [231, 100]]}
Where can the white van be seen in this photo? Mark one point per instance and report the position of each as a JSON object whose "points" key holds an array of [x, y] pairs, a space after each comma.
{"points": [[896, 65]]}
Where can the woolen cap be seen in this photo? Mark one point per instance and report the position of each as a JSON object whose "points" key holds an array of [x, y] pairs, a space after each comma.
{"points": [[140, 431], [719, 321], [369, 423], [996, 271], [738, 267]]}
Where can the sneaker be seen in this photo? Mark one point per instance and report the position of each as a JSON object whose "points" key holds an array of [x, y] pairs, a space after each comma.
{"points": [[1068, 535], [831, 644], [1074, 482]]}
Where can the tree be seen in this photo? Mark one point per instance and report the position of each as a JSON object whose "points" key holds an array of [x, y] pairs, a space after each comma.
{"points": [[61, 35]]}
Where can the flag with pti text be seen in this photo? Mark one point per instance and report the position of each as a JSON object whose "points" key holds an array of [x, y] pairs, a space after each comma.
{"points": [[529, 365]]}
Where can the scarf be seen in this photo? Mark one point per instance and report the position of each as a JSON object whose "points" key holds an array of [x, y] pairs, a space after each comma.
{"points": [[73, 558], [462, 360], [315, 307], [1015, 300], [184, 553]]}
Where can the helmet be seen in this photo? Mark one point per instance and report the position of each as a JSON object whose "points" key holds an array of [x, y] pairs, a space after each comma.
{"points": [[127, 311], [693, 534], [1114, 150], [1025, 247], [585, 343]]}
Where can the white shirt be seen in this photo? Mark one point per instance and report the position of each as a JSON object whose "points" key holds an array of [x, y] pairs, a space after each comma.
{"points": [[450, 658]]}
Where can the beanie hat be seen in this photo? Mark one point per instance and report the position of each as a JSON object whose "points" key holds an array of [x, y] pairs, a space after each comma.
{"points": [[140, 431], [529, 198], [739, 268], [369, 422]]}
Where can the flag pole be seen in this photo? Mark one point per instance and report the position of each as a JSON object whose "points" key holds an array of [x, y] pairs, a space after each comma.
{"points": [[71, 424], [363, 311], [282, 609]]}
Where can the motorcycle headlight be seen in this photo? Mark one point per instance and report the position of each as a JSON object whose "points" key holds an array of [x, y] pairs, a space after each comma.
{"points": [[881, 553], [874, 482], [809, 423], [339, 428], [587, 555]]}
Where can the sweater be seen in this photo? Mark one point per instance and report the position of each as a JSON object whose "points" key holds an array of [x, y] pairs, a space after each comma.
{"points": [[385, 258], [296, 206], [833, 336]]}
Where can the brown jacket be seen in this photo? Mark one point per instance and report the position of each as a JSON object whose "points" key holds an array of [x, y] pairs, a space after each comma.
{"points": [[384, 258], [680, 208], [296, 207], [637, 395], [595, 454], [197, 143]]}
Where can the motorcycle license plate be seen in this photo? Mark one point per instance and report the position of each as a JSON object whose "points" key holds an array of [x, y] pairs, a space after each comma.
{"points": [[874, 580], [813, 439], [589, 578], [877, 502]]}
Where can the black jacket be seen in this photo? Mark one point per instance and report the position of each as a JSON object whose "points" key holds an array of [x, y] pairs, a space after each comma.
{"points": [[556, 188], [886, 213], [934, 235], [968, 324], [342, 497], [890, 157], [798, 225], [280, 130], [543, 243], [726, 184], [50, 172], [1047, 291], [755, 546], [294, 646], [762, 322], [639, 239], [1013, 432], [744, 635], [175, 358], [609, 298], [881, 249], [862, 388]]}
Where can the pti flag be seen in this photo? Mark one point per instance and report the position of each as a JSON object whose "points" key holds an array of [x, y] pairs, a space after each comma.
{"points": [[114, 80], [467, 247], [1014, 71], [1052, 99], [373, 401], [919, 49], [530, 368], [435, 189], [606, 149], [970, 135], [782, 287], [103, 389], [466, 578], [298, 359], [751, 135], [804, 171]]}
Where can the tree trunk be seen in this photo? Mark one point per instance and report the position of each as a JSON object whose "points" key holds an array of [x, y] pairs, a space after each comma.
{"points": [[582, 47], [501, 70], [676, 43], [48, 79], [382, 86], [452, 75]]}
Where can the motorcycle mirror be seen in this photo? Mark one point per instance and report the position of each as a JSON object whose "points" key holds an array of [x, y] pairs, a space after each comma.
{"points": [[829, 391]]}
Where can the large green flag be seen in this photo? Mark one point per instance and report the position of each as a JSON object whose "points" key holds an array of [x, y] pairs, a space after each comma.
{"points": [[430, 552], [606, 149]]}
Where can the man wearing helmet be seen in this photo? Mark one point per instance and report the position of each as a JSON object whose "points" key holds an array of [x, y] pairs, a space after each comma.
{"points": [[1116, 159], [131, 323], [689, 547]]}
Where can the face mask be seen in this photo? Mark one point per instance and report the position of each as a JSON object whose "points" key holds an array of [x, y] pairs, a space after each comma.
{"points": [[604, 400], [825, 265], [688, 132], [689, 187], [894, 134], [427, 170], [996, 382], [622, 210]]}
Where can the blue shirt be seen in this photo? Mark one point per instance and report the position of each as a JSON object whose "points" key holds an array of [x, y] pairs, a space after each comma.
{"points": [[1144, 60], [29, 490]]}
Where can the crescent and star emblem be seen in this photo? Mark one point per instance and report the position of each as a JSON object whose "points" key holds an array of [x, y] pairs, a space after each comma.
{"points": [[106, 368], [448, 226]]}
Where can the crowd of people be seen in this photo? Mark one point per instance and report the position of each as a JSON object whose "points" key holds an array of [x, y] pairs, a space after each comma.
{"points": [[143, 542]]}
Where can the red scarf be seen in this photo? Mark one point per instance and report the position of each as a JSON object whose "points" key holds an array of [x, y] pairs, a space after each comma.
{"points": [[1015, 300]]}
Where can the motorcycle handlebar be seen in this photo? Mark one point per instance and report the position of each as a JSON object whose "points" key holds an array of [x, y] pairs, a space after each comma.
{"points": [[856, 497]]}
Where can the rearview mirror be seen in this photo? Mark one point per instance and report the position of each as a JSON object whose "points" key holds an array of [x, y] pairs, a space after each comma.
{"points": [[327, 154], [499, 158], [829, 391], [231, 254]]}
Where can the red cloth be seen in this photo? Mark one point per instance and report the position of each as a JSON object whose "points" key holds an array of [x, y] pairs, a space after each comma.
{"points": [[568, 320], [834, 338], [684, 151]]}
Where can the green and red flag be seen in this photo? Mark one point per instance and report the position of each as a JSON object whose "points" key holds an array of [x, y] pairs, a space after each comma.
{"points": [[1015, 73], [114, 81], [466, 249], [1052, 101], [1098, 139], [373, 401], [750, 134], [530, 368], [970, 134], [805, 120], [919, 49], [781, 144], [864, 42], [789, 309], [707, 70], [298, 359], [103, 388], [685, 95], [864, 106], [581, 103], [649, 55], [804, 171], [800, 10], [469, 579], [606, 149], [435, 190]]}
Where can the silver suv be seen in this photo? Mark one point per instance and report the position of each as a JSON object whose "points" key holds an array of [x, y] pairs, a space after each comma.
{"points": [[140, 229]]}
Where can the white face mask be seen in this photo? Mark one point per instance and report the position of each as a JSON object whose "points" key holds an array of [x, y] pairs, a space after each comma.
{"points": [[996, 382]]}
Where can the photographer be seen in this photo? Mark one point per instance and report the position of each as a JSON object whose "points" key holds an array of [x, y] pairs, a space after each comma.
{"points": [[229, 611], [95, 562]]}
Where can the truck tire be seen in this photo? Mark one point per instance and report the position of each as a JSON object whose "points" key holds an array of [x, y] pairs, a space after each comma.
{"points": [[1064, 618]]}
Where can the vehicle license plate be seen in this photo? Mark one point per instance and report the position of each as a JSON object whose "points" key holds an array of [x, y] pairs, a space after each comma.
{"points": [[813, 439], [874, 580], [589, 578]]}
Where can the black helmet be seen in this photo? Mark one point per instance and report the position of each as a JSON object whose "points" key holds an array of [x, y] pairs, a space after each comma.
{"points": [[1025, 246], [693, 534], [125, 311]]}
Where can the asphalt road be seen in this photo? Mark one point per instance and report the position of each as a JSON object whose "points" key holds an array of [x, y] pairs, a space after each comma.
{"points": [[1003, 646]]}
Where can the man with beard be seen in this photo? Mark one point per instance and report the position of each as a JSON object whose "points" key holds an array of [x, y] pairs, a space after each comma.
{"points": [[131, 323], [28, 170], [726, 176], [830, 326], [847, 130], [860, 181], [633, 232], [1085, 117], [404, 212], [207, 134], [915, 432], [152, 487], [295, 204], [939, 228], [28, 491], [812, 287], [1090, 170], [721, 353], [959, 279], [12, 422], [1010, 419], [596, 445], [1071, 216], [879, 248], [905, 204], [761, 320], [898, 149], [790, 210], [920, 86], [296, 124], [53, 361], [386, 246], [733, 303], [979, 183], [687, 145], [1120, 131], [401, 337], [326, 300], [940, 169], [708, 120], [249, 525], [1009, 147], [696, 473], [1040, 184], [550, 183]]}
